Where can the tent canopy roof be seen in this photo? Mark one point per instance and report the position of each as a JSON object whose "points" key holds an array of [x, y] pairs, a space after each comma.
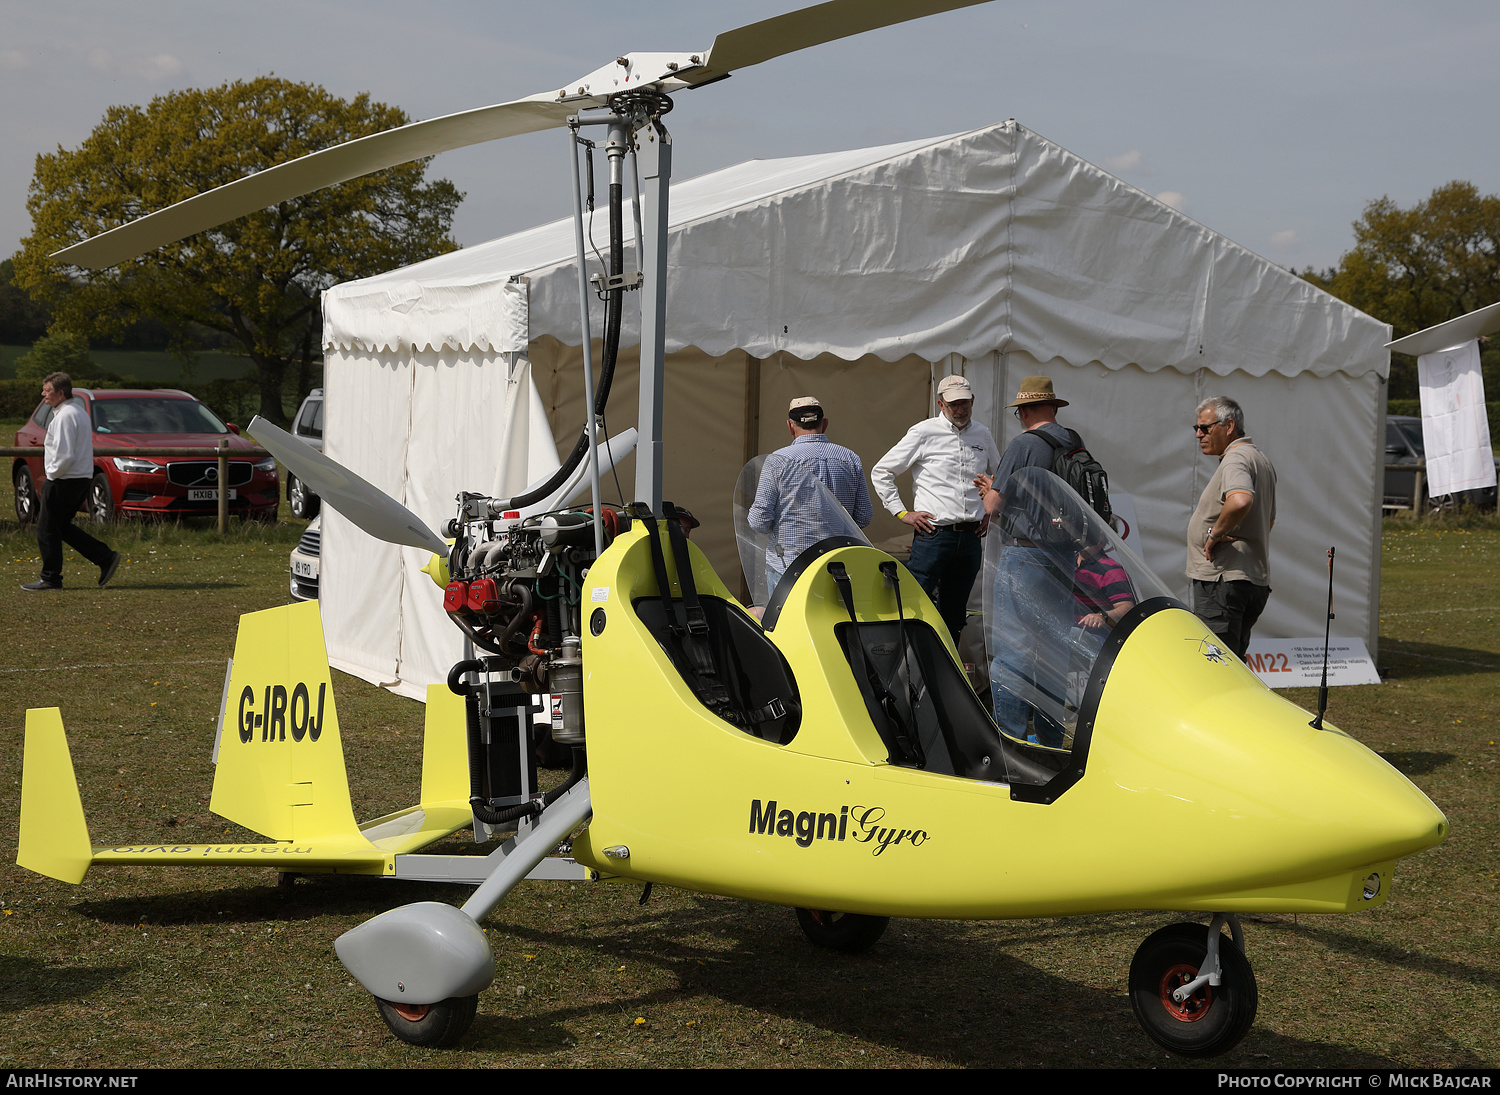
{"points": [[991, 240]]}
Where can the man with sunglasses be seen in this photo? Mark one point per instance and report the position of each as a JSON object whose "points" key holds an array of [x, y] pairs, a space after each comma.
{"points": [[1229, 535]]}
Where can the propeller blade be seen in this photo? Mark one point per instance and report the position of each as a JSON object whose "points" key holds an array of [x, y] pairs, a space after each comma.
{"points": [[783, 34], [362, 504], [313, 172]]}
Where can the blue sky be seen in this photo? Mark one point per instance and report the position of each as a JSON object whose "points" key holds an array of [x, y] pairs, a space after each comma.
{"points": [[1273, 122]]}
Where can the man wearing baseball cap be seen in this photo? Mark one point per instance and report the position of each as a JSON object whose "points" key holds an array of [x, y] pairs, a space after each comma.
{"points": [[784, 508], [944, 454]]}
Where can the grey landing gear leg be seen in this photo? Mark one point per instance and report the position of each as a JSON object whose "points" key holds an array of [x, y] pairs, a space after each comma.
{"points": [[426, 963]]}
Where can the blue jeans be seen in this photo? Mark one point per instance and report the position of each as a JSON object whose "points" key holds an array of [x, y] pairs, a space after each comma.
{"points": [[945, 563], [1032, 626]]}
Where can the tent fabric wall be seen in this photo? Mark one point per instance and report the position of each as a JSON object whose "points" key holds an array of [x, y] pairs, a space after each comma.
{"points": [[721, 411], [862, 277], [421, 427], [1139, 425]]}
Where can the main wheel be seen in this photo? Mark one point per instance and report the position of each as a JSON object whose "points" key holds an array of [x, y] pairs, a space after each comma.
{"points": [[440, 1024], [302, 502], [1210, 1021], [850, 933], [101, 502], [27, 502]]}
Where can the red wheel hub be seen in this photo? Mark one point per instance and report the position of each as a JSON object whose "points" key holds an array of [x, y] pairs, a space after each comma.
{"points": [[412, 1013], [1196, 1006]]}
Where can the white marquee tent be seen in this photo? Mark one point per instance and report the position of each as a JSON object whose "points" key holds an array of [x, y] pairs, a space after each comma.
{"points": [[861, 277]]}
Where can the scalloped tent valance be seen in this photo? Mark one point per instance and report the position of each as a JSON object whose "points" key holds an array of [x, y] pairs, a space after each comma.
{"points": [[993, 240]]}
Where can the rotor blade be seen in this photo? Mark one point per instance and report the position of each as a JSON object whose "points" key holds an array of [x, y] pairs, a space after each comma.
{"points": [[782, 34], [1445, 335], [313, 172], [735, 49], [361, 503]]}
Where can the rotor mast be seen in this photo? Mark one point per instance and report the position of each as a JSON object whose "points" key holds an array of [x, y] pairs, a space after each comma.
{"points": [[634, 121]]}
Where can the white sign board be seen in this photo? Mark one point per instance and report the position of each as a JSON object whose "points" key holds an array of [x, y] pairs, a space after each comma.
{"points": [[1455, 428], [1298, 663]]}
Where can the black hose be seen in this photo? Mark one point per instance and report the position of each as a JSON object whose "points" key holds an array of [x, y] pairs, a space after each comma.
{"points": [[613, 310], [457, 687], [518, 621], [580, 769], [525, 809]]}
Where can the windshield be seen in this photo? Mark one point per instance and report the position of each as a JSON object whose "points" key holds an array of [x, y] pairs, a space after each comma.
{"points": [[782, 508], [154, 415], [1057, 580]]}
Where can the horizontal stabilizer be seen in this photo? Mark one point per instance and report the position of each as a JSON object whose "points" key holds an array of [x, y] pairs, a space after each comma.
{"points": [[280, 772]]}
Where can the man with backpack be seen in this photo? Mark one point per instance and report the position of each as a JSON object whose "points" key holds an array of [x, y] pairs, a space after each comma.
{"points": [[1033, 592]]}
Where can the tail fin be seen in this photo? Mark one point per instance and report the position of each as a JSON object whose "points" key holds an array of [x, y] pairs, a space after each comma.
{"points": [[54, 836], [445, 749], [281, 761]]}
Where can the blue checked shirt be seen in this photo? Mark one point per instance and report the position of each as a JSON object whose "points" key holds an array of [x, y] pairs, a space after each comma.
{"points": [[789, 513]]}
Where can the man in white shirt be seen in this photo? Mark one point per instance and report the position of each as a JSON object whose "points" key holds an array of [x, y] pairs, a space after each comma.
{"points": [[944, 455], [68, 459]]}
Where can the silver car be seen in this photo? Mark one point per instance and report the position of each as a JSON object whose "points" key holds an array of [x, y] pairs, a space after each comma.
{"points": [[305, 558], [308, 427]]}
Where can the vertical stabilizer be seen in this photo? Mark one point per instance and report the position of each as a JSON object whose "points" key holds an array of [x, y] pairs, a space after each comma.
{"points": [[54, 836], [281, 762], [445, 748]]}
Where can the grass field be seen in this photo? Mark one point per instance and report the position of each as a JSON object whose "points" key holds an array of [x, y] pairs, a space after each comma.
{"points": [[140, 968]]}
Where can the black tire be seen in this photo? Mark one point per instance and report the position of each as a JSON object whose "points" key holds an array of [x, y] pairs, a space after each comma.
{"points": [[302, 502], [100, 502], [1211, 1021], [850, 933], [27, 502], [440, 1024]]}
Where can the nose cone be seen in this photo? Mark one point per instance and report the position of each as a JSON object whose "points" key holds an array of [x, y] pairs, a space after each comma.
{"points": [[1239, 794]]}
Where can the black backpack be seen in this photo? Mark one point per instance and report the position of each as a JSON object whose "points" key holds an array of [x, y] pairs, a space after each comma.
{"points": [[1076, 466]]}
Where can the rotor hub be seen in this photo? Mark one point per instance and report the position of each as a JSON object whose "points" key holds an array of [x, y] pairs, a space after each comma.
{"points": [[642, 103]]}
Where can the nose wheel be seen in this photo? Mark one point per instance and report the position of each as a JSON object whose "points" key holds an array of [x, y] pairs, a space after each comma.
{"points": [[850, 933], [1192, 989], [440, 1024]]}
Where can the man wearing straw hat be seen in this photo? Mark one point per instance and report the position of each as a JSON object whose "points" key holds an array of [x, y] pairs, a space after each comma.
{"points": [[1033, 594], [944, 454]]}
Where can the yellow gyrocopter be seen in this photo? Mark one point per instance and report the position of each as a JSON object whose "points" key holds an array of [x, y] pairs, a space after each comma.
{"points": [[830, 756]]}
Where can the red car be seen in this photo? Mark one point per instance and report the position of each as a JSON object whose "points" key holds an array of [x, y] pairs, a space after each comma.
{"points": [[167, 486]]}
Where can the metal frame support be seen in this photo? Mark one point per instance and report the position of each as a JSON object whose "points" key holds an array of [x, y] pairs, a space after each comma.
{"points": [[554, 826], [654, 146], [1212, 972], [588, 343]]}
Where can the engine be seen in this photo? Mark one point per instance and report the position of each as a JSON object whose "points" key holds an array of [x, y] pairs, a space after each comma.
{"points": [[515, 589]]}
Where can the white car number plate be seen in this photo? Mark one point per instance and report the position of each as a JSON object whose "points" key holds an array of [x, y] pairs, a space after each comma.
{"points": [[208, 495], [304, 568]]}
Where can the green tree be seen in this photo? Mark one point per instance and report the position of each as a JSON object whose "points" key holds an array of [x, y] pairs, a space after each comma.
{"points": [[22, 320], [258, 278], [57, 352], [1416, 267]]}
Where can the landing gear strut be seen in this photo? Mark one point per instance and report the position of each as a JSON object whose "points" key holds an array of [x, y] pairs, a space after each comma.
{"points": [[1192, 989]]}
